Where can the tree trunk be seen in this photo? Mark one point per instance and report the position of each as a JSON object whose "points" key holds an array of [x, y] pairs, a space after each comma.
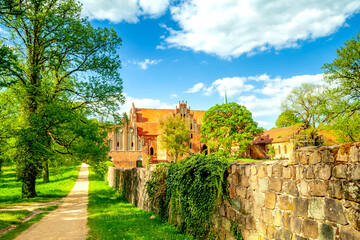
{"points": [[46, 172], [29, 179]]}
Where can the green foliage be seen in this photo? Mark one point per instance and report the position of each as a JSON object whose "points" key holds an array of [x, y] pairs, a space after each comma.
{"points": [[112, 217], [235, 230], [101, 168], [347, 127], [57, 72], [271, 151], [184, 189], [174, 135], [286, 119], [228, 125], [156, 189]]}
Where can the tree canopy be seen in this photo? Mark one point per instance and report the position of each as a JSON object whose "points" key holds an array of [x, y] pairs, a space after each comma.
{"points": [[286, 119], [175, 135], [60, 72], [228, 125]]}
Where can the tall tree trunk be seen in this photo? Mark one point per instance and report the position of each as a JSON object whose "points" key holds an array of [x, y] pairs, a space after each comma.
{"points": [[46, 172], [29, 180]]}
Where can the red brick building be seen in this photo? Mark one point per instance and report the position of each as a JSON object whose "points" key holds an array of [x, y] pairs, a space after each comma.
{"points": [[137, 141]]}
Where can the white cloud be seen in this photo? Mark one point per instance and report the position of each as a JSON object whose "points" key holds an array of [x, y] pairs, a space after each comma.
{"points": [[264, 124], [234, 86], [231, 28], [145, 64], [123, 10], [196, 88], [174, 95]]}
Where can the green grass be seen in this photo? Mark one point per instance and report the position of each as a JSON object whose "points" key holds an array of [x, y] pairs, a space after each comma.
{"points": [[13, 217], [62, 180], [111, 217], [14, 233]]}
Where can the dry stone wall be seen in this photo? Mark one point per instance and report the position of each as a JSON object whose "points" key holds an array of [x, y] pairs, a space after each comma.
{"points": [[314, 195]]}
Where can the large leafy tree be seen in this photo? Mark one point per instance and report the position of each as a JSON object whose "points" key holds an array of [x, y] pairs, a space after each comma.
{"points": [[228, 125], [286, 119], [174, 135], [61, 71]]}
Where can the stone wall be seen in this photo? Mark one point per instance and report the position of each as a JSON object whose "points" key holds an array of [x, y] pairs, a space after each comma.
{"points": [[314, 195]]}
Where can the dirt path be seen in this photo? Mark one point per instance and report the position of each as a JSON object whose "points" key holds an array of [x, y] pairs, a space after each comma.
{"points": [[68, 221]]}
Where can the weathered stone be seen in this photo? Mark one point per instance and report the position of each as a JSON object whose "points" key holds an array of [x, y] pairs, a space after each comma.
{"points": [[336, 189], [241, 192], [301, 206], [236, 202], [275, 184], [291, 188], [263, 184], [327, 156], [334, 211], [259, 198], [355, 172], [250, 222], [253, 170], [240, 219], [309, 172], [222, 210], [248, 171], [354, 154], [339, 171], [316, 209], [272, 233], [315, 158], [324, 172], [233, 168], [258, 211], [304, 159], [270, 200], [317, 188], [232, 192], [269, 170], [262, 172], [303, 188], [232, 214], [347, 233], [285, 234], [354, 216], [253, 182], [299, 169], [310, 229], [226, 224], [268, 216], [296, 224], [286, 220], [286, 203], [261, 227], [278, 219], [244, 181], [217, 223], [276, 171], [234, 180], [351, 190], [287, 172], [326, 232]]}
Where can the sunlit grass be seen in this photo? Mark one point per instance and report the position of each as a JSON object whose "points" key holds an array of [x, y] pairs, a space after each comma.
{"points": [[62, 180], [111, 217], [10, 218]]}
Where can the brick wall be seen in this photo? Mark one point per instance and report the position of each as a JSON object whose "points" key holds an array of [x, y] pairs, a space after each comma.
{"points": [[314, 195]]}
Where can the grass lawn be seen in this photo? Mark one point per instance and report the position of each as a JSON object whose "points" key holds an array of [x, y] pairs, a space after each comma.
{"points": [[61, 182], [111, 217], [13, 217]]}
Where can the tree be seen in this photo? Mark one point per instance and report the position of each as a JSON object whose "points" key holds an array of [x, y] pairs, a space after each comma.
{"points": [[344, 74], [347, 127], [309, 103], [286, 119], [62, 72], [228, 125], [174, 135]]}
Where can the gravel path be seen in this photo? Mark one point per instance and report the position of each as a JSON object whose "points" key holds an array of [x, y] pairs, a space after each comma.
{"points": [[68, 221]]}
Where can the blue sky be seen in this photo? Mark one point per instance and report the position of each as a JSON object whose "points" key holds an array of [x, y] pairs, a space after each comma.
{"points": [[192, 49]]}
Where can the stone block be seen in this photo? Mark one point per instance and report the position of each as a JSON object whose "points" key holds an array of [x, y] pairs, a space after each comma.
{"points": [[326, 232], [304, 158], [309, 172], [226, 224], [232, 192], [276, 171], [269, 170], [327, 156], [234, 180], [334, 211], [354, 216], [241, 192], [339, 171], [336, 189], [270, 200], [253, 170], [298, 237], [250, 222], [296, 224], [253, 182], [324, 172], [236, 203], [286, 219], [272, 233], [222, 210], [354, 155], [301, 206], [347, 233], [299, 169], [268, 216], [317, 188], [315, 158], [287, 172], [275, 184], [303, 188], [285, 234], [355, 172], [291, 188], [248, 171], [262, 172], [232, 214], [244, 181], [310, 229], [257, 211], [286, 203], [316, 209], [261, 227], [263, 184], [259, 198], [278, 219], [351, 190]]}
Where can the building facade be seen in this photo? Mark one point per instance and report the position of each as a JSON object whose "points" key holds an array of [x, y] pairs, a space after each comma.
{"points": [[136, 142]]}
